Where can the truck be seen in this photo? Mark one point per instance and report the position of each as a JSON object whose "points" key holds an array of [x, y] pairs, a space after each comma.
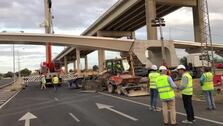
{"points": [[50, 70], [194, 64]]}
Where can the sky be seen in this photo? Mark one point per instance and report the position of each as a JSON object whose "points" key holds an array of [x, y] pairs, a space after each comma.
{"points": [[73, 17]]}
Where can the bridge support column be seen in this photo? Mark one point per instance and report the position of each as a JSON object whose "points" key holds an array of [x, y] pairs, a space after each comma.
{"points": [[150, 7], [101, 55], [78, 57], [101, 59], [65, 65], [199, 23], [86, 62]]}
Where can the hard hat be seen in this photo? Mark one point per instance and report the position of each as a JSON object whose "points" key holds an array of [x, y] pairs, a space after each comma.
{"points": [[162, 68], [181, 67], [154, 67]]}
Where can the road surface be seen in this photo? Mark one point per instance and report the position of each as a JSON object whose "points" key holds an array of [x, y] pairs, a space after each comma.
{"points": [[33, 107], [5, 81]]}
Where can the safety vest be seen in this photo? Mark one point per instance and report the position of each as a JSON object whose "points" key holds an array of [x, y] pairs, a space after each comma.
{"points": [[166, 92], [43, 80], [208, 83], [55, 80], [188, 90], [152, 78]]}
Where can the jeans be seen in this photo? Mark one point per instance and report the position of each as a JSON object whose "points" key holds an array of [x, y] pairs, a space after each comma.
{"points": [[153, 97], [169, 106], [187, 101], [210, 99]]}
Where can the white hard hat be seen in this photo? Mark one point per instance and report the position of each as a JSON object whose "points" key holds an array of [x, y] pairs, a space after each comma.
{"points": [[154, 67], [162, 68], [181, 67]]}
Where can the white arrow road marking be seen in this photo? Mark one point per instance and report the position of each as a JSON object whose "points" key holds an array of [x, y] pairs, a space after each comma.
{"points": [[108, 107], [27, 117], [74, 117]]}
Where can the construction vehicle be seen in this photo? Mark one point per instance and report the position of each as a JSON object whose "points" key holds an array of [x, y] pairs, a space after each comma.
{"points": [[194, 64], [118, 79], [50, 70]]}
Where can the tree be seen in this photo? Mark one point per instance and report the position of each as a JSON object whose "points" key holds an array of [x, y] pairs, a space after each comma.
{"points": [[95, 68], [25, 72], [8, 74], [183, 61]]}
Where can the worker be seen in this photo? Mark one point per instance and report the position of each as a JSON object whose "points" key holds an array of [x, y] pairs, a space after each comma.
{"points": [[207, 85], [186, 88], [153, 75], [55, 81], [166, 86], [43, 82]]}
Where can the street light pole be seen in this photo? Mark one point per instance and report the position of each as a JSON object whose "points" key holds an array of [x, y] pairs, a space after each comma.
{"points": [[13, 53]]}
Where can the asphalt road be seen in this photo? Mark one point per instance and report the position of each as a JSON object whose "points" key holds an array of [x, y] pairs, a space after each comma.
{"points": [[74, 108], [5, 81]]}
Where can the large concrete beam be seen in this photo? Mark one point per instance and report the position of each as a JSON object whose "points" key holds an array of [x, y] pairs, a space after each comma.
{"points": [[189, 3], [67, 40], [116, 34], [119, 8]]}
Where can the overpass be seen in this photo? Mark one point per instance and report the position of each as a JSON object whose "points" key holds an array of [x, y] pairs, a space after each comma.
{"points": [[126, 16], [84, 44]]}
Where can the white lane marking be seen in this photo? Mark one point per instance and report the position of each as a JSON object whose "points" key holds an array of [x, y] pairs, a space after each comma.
{"points": [[27, 117], [108, 107], [180, 113], [9, 100], [74, 117], [56, 99]]}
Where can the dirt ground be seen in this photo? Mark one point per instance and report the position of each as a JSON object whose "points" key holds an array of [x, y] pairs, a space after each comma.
{"points": [[198, 94]]}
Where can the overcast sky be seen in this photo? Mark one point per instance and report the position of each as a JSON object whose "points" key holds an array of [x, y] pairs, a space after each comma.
{"points": [[74, 16]]}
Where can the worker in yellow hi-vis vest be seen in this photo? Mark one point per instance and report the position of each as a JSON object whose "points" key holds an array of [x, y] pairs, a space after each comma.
{"points": [[186, 88], [153, 75], [55, 81], [43, 82], [207, 86], [166, 86]]}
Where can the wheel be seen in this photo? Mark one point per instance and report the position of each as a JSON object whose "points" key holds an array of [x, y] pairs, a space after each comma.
{"points": [[111, 88], [119, 90], [175, 75]]}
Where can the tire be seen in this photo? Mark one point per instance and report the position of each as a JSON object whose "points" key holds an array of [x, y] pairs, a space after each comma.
{"points": [[119, 90], [175, 76], [111, 88]]}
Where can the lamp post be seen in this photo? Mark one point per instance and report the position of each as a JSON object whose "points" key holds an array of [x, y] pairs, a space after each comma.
{"points": [[159, 22]]}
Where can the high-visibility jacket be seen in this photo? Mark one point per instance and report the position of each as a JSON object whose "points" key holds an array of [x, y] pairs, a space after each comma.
{"points": [[152, 79], [188, 90], [166, 92], [43, 80], [55, 80], [208, 83]]}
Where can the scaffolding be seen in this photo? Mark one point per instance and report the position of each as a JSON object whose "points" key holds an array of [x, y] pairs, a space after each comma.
{"points": [[206, 32]]}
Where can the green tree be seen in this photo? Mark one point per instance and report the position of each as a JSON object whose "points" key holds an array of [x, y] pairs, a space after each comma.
{"points": [[95, 68], [8, 74], [183, 61], [25, 72]]}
